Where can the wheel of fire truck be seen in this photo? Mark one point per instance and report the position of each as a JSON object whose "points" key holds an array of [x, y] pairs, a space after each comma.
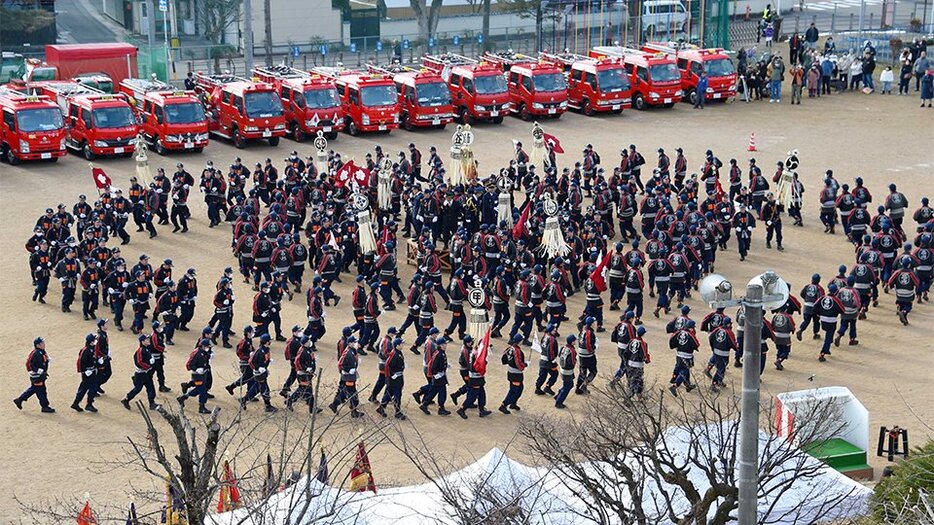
{"points": [[159, 146], [556, 116], [198, 150], [297, 134], [638, 102], [273, 141], [497, 120], [617, 111], [238, 140], [442, 126], [331, 135], [670, 105], [524, 112], [86, 151], [406, 122], [352, 128], [465, 115], [692, 96], [10, 156], [587, 108]]}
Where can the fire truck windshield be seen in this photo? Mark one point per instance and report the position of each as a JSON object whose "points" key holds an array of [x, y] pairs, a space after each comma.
{"points": [[664, 73], [611, 80], [549, 82], [720, 67], [490, 84], [44, 119], [433, 94], [378, 96], [115, 117], [262, 104], [184, 113], [321, 98]]}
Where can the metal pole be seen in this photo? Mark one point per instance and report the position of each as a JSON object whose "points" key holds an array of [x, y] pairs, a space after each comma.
{"points": [[862, 15], [749, 417], [248, 34]]}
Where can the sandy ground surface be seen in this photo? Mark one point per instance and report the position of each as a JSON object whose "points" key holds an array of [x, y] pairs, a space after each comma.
{"points": [[883, 139]]}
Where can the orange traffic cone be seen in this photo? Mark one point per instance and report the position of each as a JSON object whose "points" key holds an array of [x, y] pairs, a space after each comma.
{"points": [[752, 142]]}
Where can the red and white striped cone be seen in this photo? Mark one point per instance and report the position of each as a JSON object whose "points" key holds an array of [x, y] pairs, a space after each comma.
{"points": [[752, 142]]}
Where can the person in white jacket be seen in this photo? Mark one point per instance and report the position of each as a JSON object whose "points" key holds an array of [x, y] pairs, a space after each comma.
{"points": [[886, 78], [856, 73]]}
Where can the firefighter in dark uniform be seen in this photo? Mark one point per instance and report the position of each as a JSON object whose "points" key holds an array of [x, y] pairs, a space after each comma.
{"points": [[722, 341], [548, 363], [117, 283], [167, 307], [142, 375], [476, 393], [436, 370], [347, 388], [638, 357], [180, 211], [567, 362], [40, 267], [187, 293], [463, 364], [784, 326], [157, 340], [514, 360], [37, 366], [685, 343], [392, 372], [292, 347], [87, 369], [137, 294], [905, 283], [258, 384], [90, 288], [305, 365], [383, 349], [68, 271], [810, 294], [828, 309], [244, 351], [624, 332], [457, 293], [262, 309], [771, 215], [102, 354], [223, 310], [199, 364], [587, 355], [315, 313]]}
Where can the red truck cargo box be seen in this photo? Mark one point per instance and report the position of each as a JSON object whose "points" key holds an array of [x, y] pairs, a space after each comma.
{"points": [[117, 60]]}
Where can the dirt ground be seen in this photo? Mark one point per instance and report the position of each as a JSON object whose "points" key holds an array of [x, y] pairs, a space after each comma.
{"points": [[881, 138]]}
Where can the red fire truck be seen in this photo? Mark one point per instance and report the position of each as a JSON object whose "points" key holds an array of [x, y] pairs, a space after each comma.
{"points": [[535, 88], [655, 78], [369, 100], [241, 110], [310, 101], [595, 85], [691, 60], [99, 124], [31, 128], [169, 119], [424, 98], [478, 88]]}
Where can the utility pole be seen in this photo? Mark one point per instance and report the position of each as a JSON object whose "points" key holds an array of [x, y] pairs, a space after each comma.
{"points": [[248, 35], [749, 418], [267, 10], [151, 23]]}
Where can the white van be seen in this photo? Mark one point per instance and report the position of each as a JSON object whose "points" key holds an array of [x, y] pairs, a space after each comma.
{"points": [[664, 16]]}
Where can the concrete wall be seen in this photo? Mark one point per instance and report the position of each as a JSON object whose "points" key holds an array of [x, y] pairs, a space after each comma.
{"points": [[297, 22]]}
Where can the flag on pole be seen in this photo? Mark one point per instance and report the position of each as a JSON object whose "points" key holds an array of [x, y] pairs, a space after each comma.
{"points": [[350, 172], [86, 517], [553, 143], [519, 230], [322, 475], [361, 477], [229, 497], [597, 275], [479, 363], [131, 518], [101, 180], [172, 506], [269, 486]]}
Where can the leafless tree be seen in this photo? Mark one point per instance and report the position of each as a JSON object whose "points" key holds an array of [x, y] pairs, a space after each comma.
{"points": [[215, 18], [663, 459], [427, 13]]}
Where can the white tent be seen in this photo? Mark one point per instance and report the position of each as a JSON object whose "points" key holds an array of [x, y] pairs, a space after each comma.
{"points": [[538, 492]]}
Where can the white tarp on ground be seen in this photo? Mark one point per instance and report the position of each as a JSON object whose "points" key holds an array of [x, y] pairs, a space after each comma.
{"points": [[538, 492]]}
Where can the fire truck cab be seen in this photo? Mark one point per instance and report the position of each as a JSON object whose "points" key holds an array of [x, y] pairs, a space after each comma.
{"points": [[424, 99], [98, 124], [478, 88], [369, 100], [655, 78], [31, 128], [310, 101], [241, 110], [692, 60], [169, 119], [595, 85], [536, 89]]}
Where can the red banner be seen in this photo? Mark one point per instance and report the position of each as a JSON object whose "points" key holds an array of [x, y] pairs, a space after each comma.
{"points": [[351, 172], [361, 476], [483, 350], [597, 275], [101, 180], [520, 230], [553, 142]]}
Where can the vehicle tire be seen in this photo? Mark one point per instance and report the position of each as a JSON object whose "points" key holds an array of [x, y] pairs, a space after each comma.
{"points": [[297, 134], [497, 120], [238, 140], [670, 105], [160, 147], [617, 111], [10, 156], [331, 135], [86, 151], [524, 112], [692, 97], [465, 115], [352, 128], [53, 160], [198, 150], [556, 116], [587, 108], [273, 141], [638, 102], [442, 126]]}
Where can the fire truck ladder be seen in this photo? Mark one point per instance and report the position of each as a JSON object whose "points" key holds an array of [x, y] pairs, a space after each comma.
{"points": [[144, 85], [450, 59], [282, 71]]}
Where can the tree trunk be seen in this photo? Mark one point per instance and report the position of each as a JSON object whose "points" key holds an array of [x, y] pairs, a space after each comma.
{"points": [[486, 26], [267, 11], [539, 18]]}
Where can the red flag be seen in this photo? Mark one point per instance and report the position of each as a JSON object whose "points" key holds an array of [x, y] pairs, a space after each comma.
{"points": [[351, 172], [101, 180], [479, 363], [553, 143], [597, 275], [519, 230], [229, 497], [361, 476], [86, 517], [719, 190]]}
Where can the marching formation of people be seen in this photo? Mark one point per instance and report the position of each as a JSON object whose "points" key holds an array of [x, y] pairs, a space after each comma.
{"points": [[641, 229]]}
